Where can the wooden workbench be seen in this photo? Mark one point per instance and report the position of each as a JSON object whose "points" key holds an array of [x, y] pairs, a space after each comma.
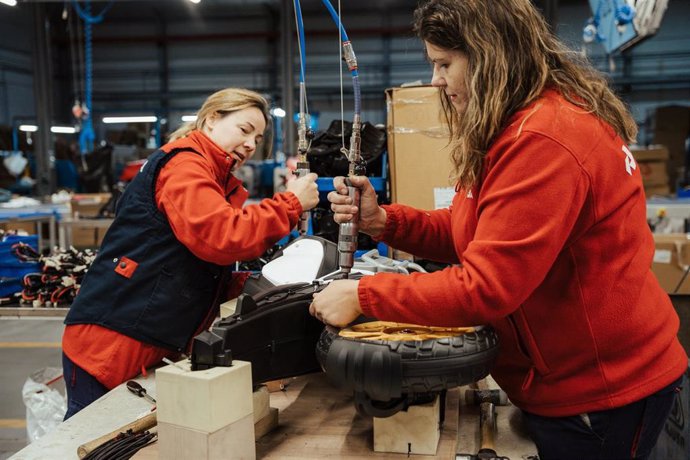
{"points": [[316, 420]]}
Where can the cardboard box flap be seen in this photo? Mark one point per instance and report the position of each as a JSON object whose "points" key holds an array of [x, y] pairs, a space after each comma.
{"points": [[650, 153]]}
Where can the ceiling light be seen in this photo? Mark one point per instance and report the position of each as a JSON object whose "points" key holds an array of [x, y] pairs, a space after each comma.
{"points": [[9, 2], [63, 129], [195, 1], [28, 128], [278, 112], [188, 118], [137, 119]]}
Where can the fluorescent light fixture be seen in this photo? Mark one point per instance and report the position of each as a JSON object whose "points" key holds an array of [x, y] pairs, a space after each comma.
{"points": [[63, 129], [28, 128], [278, 112], [186, 118], [139, 119], [195, 1], [9, 2]]}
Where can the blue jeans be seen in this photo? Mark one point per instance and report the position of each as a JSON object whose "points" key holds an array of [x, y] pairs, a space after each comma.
{"points": [[82, 387], [628, 432]]}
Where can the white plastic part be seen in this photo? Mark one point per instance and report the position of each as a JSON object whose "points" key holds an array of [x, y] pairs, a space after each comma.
{"points": [[299, 263]]}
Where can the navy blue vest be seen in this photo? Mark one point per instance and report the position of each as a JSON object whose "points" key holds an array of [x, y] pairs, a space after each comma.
{"points": [[144, 283]]}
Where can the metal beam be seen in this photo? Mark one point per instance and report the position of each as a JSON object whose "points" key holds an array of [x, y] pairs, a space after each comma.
{"points": [[43, 92], [287, 76]]}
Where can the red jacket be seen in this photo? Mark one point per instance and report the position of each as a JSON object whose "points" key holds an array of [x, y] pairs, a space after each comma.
{"points": [[555, 253], [203, 203]]}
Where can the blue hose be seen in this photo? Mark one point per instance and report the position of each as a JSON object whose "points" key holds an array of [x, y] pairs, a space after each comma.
{"points": [[300, 30], [355, 73], [336, 18], [85, 13]]}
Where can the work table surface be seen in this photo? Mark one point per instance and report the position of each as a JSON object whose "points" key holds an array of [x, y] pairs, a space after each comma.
{"points": [[316, 420]]}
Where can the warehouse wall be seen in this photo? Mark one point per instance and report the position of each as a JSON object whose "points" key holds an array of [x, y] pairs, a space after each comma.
{"points": [[146, 64], [16, 81], [658, 72]]}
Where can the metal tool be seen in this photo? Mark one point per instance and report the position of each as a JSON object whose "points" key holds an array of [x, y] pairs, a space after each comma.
{"points": [[140, 391], [348, 231], [487, 400]]}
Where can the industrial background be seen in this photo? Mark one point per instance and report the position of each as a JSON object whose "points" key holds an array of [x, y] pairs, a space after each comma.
{"points": [[159, 59], [163, 57]]}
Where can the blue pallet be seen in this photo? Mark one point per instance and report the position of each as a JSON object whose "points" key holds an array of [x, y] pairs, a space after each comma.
{"points": [[9, 286], [18, 269]]}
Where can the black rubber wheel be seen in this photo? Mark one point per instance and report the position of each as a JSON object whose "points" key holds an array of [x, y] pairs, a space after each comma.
{"points": [[384, 374]]}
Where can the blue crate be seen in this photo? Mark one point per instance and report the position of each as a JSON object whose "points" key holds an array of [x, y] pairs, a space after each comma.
{"points": [[6, 255], [9, 286], [18, 269]]}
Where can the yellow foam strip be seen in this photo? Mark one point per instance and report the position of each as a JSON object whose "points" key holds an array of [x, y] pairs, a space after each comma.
{"points": [[30, 344], [12, 423]]}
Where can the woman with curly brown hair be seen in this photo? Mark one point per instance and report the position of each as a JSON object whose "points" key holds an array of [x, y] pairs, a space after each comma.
{"points": [[547, 233]]}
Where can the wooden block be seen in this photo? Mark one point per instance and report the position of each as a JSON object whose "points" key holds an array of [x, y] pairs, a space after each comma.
{"points": [[233, 442], [415, 431], [260, 402], [266, 424], [206, 400]]}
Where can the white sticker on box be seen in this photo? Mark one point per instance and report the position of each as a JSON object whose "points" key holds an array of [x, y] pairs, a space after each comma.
{"points": [[662, 256], [443, 197]]}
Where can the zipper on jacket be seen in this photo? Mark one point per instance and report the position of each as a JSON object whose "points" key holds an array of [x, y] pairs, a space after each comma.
{"points": [[228, 173]]}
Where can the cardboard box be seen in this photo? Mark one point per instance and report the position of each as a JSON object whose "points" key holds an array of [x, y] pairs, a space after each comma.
{"points": [[650, 153], [671, 128], [88, 205], [653, 162], [653, 173], [418, 148], [657, 190], [671, 263]]}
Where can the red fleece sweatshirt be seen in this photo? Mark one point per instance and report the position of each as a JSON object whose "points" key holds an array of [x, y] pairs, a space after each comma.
{"points": [[555, 254], [203, 203]]}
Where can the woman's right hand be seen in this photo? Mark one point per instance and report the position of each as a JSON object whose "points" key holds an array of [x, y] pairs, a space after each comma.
{"points": [[305, 190], [372, 217]]}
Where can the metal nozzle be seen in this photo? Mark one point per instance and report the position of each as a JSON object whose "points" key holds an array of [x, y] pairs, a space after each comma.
{"points": [[347, 235], [349, 56], [303, 224]]}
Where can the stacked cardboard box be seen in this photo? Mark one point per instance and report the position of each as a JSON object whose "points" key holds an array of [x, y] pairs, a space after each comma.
{"points": [[418, 148], [87, 205], [653, 164], [671, 263], [672, 128]]}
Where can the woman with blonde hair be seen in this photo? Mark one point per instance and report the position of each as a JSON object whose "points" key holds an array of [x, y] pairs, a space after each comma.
{"points": [[162, 268], [547, 233]]}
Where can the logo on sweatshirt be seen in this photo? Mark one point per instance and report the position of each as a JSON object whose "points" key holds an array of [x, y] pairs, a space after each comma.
{"points": [[630, 164], [469, 194]]}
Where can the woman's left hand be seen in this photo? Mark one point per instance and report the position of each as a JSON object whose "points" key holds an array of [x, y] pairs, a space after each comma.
{"points": [[338, 304]]}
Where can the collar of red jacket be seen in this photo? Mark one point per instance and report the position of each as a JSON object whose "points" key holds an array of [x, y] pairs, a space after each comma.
{"points": [[200, 142]]}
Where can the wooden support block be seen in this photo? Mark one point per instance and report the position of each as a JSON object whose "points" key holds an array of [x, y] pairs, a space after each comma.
{"points": [[266, 424], [260, 403], [233, 442], [206, 400], [415, 431]]}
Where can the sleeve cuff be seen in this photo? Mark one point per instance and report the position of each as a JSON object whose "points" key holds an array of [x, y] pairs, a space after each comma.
{"points": [[393, 219], [363, 297], [295, 206]]}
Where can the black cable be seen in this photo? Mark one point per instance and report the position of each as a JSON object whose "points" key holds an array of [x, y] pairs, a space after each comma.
{"points": [[680, 283], [123, 446]]}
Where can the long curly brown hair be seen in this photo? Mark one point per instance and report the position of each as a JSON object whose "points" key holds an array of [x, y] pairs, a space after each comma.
{"points": [[513, 57]]}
